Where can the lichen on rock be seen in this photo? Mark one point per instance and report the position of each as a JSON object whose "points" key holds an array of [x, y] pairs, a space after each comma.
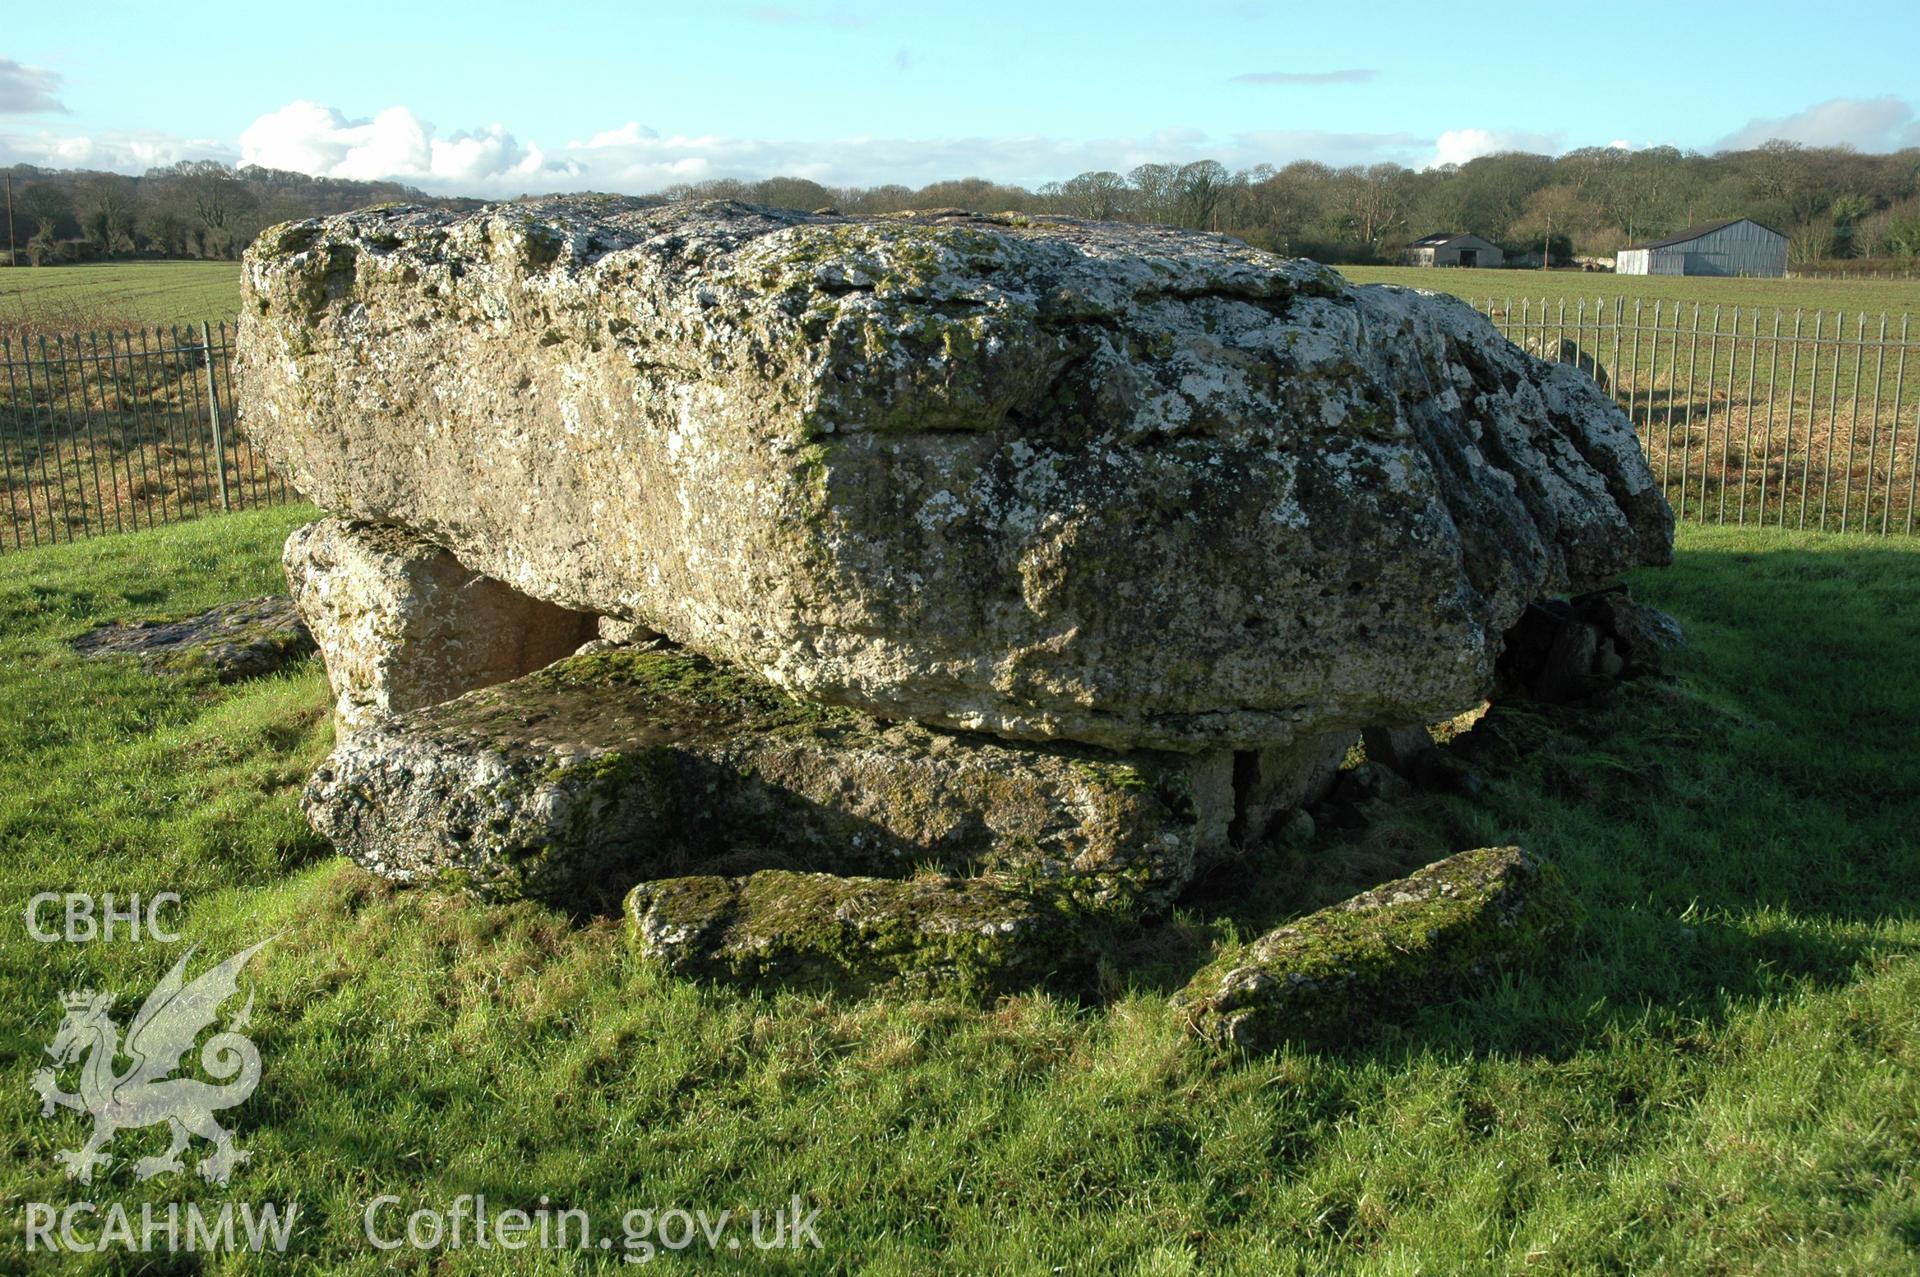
{"points": [[939, 585], [1419, 939], [1132, 486], [967, 935]]}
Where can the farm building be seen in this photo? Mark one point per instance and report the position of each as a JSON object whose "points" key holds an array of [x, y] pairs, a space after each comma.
{"points": [[1453, 249], [1736, 246]]}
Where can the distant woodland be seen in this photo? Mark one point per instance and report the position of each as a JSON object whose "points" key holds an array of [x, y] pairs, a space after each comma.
{"points": [[194, 209], [1836, 206]]}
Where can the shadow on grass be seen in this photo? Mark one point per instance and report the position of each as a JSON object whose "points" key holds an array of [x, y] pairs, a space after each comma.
{"points": [[1738, 830]]}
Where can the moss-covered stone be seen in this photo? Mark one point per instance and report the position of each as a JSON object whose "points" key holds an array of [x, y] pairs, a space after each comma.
{"points": [[1416, 940], [578, 780], [232, 642], [971, 935]]}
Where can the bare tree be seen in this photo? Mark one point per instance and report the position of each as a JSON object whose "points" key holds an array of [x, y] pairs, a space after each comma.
{"points": [[1155, 184], [1375, 201], [109, 218], [1100, 195], [1810, 243], [1197, 191], [219, 199]]}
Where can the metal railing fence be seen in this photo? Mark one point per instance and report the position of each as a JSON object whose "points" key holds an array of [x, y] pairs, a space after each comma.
{"points": [[1790, 419], [114, 431]]}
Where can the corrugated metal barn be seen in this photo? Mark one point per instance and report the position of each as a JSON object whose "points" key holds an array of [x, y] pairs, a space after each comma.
{"points": [[1453, 249], [1736, 246]]}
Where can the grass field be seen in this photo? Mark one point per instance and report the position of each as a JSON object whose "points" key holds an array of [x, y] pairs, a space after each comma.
{"points": [[1721, 1076], [189, 292], [118, 295]]}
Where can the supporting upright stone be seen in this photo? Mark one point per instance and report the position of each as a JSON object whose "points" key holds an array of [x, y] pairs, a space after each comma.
{"points": [[401, 624], [1271, 782], [1566, 649], [1404, 749]]}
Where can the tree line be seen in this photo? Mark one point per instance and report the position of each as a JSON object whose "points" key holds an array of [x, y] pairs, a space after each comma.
{"points": [[196, 208], [1833, 203]]}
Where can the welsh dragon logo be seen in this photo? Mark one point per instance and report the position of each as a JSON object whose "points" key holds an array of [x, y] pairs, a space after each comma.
{"points": [[163, 1031]]}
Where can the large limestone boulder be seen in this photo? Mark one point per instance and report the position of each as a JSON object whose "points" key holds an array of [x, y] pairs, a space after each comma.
{"points": [[575, 782], [1132, 486], [402, 624]]}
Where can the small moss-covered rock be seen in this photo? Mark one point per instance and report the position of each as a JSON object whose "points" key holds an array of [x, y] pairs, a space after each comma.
{"points": [[232, 642], [576, 781], [972, 935], [1412, 941]]}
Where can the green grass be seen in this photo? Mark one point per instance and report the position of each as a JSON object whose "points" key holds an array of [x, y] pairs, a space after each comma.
{"points": [[1873, 296], [1721, 1076], [120, 294], [188, 292]]}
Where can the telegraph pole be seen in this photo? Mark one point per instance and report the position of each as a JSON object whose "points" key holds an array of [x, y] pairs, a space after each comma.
{"points": [[11, 259], [1546, 250]]}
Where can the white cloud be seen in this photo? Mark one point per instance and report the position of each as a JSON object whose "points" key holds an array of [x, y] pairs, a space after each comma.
{"points": [[1885, 123], [629, 134], [1457, 146], [117, 151], [396, 145], [28, 90]]}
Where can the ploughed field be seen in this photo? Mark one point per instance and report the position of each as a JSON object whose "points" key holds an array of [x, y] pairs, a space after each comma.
{"points": [[1722, 1073]]}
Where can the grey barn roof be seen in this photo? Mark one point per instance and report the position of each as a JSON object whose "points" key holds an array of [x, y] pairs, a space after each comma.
{"points": [[1434, 241], [1695, 232]]}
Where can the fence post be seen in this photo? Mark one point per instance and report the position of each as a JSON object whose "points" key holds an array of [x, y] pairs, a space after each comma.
{"points": [[213, 411]]}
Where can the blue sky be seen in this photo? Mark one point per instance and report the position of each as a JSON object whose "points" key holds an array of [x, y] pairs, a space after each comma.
{"points": [[493, 99]]}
